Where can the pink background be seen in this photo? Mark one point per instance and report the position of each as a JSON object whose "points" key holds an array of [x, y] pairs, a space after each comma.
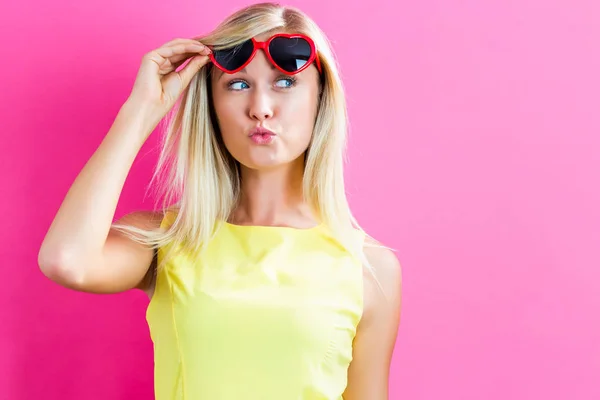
{"points": [[473, 151]]}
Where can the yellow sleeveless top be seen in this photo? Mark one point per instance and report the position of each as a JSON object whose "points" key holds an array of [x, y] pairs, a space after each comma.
{"points": [[265, 313]]}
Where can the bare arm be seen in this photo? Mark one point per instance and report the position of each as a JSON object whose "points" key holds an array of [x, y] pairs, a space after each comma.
{"points": [[80, 251], [368, 375]]}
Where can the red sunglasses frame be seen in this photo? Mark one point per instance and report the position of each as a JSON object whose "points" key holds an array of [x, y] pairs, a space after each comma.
{"points": [[265, 47]]}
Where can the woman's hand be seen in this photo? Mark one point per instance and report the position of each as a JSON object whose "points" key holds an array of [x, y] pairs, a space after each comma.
{"points": [[158, 85]]}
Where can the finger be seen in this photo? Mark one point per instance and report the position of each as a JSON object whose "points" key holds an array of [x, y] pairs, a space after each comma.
{"points": [[179, 60], [187, 73], [170, 58], [180, 48], [173, 63]]}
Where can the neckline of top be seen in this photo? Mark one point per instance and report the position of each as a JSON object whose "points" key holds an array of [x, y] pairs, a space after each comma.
{"points": [[273, 227]]}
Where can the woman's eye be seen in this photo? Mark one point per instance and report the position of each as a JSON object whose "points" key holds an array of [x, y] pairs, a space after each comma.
{"points": [[280, 83], [284, 83], [238, 85]]}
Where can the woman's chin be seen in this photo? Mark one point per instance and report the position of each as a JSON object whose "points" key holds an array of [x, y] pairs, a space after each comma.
{"points": [[267, 158], [258, 165]]}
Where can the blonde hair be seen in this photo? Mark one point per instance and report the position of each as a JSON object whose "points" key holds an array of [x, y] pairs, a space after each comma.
{"points": [[202, 179]]}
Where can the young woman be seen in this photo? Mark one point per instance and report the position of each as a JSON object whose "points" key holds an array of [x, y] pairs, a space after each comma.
{"points": [[262, 283]]}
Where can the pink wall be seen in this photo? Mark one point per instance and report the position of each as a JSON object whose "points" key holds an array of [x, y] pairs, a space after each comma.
{"points": [[474, 151]]}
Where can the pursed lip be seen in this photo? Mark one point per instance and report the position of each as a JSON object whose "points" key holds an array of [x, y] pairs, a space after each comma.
{"points": [[261, 131]]}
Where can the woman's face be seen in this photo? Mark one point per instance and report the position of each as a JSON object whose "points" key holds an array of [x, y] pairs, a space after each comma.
{"points": [[262, 96]]}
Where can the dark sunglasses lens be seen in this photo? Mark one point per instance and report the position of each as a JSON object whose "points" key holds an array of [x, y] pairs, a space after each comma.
{"points": [[290, 54], [233, 58]]}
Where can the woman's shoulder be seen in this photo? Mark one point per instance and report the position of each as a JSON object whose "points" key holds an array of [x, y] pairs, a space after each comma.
{"points": [[383, 259], [143, 219], [386, 269], [150, 220]]}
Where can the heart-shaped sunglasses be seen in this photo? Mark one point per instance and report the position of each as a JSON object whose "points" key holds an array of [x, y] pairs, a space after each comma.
{"points": [[289, 53]]}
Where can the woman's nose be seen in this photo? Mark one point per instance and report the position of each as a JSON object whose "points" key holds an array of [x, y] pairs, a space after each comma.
{"points": [[261, 106]]}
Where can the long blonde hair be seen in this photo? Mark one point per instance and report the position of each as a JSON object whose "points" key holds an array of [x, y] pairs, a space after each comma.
{"points": [[201, 180]]}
